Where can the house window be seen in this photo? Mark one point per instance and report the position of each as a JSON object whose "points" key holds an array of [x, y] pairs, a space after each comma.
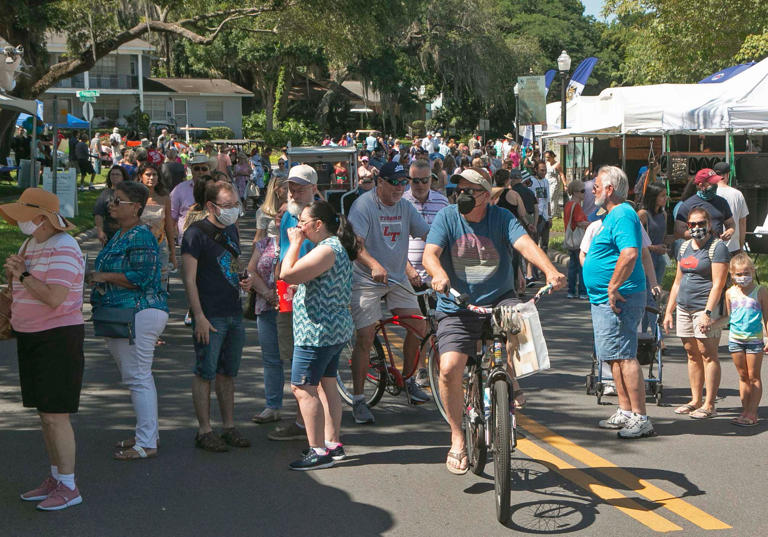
{"points": [[106, 66], [107, 107], [156, 109], [214, 111]]}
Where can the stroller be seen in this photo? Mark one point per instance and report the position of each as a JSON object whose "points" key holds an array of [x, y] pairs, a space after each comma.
{"points": [[648, 354]]}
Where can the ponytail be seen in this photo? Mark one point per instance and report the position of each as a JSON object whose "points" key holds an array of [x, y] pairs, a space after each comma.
{"points": [[337, 225]]}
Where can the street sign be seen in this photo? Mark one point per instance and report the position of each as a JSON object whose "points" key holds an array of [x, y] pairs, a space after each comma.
{"points": [[87, 99], [484, 125], [85, 94], [533, 100], [87, 111]]}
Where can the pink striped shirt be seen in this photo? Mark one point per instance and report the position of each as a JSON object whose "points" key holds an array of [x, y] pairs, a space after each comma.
{"points": [[57, 261]]}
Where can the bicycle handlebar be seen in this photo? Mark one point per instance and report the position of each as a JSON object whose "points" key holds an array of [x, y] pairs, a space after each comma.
{"points": [[487, 311]]}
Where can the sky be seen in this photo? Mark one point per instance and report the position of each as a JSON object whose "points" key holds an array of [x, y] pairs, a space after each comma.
{"points": [[592, 7]]}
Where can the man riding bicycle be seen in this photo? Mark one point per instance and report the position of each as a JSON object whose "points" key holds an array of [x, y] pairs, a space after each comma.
{"points": [[469, 248]]}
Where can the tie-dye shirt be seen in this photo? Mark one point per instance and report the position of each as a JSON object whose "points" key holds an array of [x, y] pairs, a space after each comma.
{"points": [[746, 317], [477, 256]]}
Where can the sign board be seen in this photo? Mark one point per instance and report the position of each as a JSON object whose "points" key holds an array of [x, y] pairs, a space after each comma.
{"points": [[88, 111], [66, 189], [84, 94], [678, 169], [484, 125], [533, 100], [87, 99]]}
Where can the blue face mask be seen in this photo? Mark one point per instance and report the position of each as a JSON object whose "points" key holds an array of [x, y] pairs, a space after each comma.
{"points": [[707, 194]]}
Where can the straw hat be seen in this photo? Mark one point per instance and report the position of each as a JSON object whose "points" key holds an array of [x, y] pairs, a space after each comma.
{"points": [[34, 202]]}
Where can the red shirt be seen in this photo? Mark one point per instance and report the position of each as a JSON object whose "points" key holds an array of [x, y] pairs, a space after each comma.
{"points": [[578, 215]]}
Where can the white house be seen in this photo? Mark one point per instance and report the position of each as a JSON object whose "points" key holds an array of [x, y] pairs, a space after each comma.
{"points": [[122, 78]]}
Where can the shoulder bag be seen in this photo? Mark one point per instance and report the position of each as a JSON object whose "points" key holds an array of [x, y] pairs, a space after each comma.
{"points": [[114, 322], [573, 237]]}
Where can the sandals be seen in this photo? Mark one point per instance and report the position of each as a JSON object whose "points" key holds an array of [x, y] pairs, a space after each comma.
{"points": [[743, 421], [125, 444], [686, 409], [520, 400], [702, 414], [135, 453], [457, 456]]}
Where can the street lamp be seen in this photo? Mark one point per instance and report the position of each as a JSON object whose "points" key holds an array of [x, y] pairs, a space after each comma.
{"points": [[564, 66], [517, 112]]}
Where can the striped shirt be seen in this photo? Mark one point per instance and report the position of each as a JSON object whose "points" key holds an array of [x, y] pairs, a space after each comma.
{"points": [[427, 210], [57, 261]]}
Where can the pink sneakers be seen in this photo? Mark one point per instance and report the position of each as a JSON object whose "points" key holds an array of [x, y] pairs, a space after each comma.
{"points": [[60, 498], [41, 492]]}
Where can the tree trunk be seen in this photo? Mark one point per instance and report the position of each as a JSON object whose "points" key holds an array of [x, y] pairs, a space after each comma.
{"points": [[268, 97]]}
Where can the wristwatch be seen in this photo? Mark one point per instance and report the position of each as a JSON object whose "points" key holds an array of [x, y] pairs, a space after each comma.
{"points": [[708, 313], [24, 275]]}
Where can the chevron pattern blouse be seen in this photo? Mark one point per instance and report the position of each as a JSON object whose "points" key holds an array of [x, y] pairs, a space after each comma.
{"points": [[321, 315]]}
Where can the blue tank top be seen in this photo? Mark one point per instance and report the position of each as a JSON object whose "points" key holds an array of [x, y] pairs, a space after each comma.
{"points": [[657, 227], [746, 318]]}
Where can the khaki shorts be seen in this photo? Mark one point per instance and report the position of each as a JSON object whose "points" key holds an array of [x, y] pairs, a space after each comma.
{"points": [[688, 325], [366, 300]]}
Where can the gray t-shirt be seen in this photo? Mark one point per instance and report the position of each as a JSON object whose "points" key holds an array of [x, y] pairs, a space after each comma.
{"points": [[697, 274], [386, 230], [264, 221]]}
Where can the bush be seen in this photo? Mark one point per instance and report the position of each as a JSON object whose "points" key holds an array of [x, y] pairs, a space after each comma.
{"points": [[221, 133], [291, 130], [418, 127], [431, 125]]}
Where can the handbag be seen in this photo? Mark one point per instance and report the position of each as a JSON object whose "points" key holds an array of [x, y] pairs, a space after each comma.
{"points": [[573, 237], [252, 190], [6, 303], [114, 322]]}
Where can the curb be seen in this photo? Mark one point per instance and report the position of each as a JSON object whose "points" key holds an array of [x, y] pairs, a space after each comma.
{"points": [[558, 257], [85, 235]]}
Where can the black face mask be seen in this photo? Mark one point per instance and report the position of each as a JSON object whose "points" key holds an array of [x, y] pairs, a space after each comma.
{"points": [[466, 203]]}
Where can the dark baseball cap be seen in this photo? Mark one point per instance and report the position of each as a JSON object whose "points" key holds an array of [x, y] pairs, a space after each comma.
{"points": [[392, 170], [721, 168]]}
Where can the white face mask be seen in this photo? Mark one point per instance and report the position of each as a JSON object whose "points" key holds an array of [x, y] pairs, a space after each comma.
{"points": [[742, 280], [229, 216], [28, 227]]}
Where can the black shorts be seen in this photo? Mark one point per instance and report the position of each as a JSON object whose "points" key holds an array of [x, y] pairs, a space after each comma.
{"points": [[460, 332], [51, 368], [85, 166]]}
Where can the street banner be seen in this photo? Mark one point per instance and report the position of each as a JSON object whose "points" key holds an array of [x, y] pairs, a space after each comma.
{"points": [[549, 76], [533, 100], [579, 78], [725, 74]]}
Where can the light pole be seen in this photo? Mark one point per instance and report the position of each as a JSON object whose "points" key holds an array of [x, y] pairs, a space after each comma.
{"points": [[517, 111], [564, 66]]}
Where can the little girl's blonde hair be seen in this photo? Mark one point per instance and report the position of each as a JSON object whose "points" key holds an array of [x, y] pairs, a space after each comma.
{"points": [[741, 260]]}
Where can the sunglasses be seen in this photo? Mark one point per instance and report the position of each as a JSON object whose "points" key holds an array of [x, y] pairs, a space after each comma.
{"points": [[470, 191], [397, 182], [702, 223], [420, 180], [118, 202], [199, 168]]}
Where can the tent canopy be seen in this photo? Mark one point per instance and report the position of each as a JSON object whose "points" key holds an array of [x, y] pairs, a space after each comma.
{"points": [[73, 123], [17, 105]]}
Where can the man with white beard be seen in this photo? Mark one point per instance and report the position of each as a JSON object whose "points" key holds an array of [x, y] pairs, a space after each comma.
{"points": [[302, 187]]}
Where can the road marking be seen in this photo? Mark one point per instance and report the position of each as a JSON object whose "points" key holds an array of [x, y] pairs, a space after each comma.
{"points": [[641, 486], [611, 496]]}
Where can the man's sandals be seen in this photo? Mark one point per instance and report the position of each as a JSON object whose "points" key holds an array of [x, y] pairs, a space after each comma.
{"points": [[457, 457], [134, 453]]}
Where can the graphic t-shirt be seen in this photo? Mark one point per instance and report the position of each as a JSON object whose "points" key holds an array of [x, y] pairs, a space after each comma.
{"points": [[217, 278], [540, 187], [385, 230], [621, 229], [697, 274], [477, 256]]}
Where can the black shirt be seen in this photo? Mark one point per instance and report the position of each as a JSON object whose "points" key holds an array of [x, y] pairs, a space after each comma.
{"points": [[529, 198]]}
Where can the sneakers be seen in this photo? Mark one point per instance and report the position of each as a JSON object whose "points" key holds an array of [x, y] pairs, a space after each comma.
{"points": [[268, 415], [337, 454], [530, 282], [422, 378], [416, 394], [362, 413], [637, 427], [60, 498], [210, 441], [617, 421], [570, 295], [188, 319], [583, 297], [234, 438], [312, 461], [41, 492], [288, 432]]}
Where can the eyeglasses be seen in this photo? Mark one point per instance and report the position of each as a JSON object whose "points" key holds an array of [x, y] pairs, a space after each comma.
{"points": [[420, 180], [235, 206], [397, 182], [302, 223], [701, 223], [117, 202], [199, 168], [469, 190]]}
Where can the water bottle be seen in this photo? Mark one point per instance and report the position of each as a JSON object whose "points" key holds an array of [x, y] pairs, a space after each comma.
{"points": [[487, 415]]}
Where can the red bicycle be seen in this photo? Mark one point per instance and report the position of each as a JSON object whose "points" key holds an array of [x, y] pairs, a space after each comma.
{"points": [[386, 368]]}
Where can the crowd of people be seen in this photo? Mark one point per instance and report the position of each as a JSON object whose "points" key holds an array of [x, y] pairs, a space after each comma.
{"points": [[471, 217]]}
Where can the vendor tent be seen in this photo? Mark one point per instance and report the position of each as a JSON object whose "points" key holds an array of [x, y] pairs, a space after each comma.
{"points": [[73, 123]]}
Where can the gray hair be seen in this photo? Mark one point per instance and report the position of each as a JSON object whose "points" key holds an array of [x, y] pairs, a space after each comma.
{"points": [[420, 164], [617, 179]]}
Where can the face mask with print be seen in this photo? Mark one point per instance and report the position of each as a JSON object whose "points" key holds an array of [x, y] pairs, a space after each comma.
{"points": [[698, 233], [743, 281], [466, 203], [229, 216], [28, 227], [707, 194]]}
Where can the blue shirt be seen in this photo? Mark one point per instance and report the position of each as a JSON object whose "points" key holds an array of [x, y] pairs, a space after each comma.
{"points": [[477, 256], [621, 229], [288, 221]]}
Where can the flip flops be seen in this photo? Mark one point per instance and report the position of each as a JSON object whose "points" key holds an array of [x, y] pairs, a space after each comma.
{"points": [[457, 456], [743, 421], [686, 409], [702, 414], [135, 453]]}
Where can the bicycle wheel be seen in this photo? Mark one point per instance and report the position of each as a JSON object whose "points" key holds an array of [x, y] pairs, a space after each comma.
{"points": [[375, 379], [501, 448], [474, 424], [429, 351]]}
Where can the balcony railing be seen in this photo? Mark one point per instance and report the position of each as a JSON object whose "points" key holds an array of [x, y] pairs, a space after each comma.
{"points": [[100, 82]]}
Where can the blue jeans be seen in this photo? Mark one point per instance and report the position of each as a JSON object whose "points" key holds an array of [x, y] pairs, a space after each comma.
{"points": [[224, 350], [574, 274], [274, 376], [311, 364]]}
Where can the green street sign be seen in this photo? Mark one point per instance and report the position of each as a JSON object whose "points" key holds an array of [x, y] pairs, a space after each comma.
{"points": [[87, 93], [87, 99]]}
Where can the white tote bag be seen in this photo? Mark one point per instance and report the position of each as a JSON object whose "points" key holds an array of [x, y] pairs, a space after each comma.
{"points": [[532, 355]]}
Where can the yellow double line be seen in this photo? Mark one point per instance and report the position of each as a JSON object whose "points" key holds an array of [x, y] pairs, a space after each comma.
{"points": [[626, 505]]}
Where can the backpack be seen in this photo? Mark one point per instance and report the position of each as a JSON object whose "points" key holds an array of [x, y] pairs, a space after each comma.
{"points": [[711, 252]]}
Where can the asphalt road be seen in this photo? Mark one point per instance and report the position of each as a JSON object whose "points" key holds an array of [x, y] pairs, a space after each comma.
{"points": [[694, 478]]}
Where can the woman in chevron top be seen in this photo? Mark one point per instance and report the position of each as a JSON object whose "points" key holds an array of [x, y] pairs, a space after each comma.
{"points": [[322, 325]]}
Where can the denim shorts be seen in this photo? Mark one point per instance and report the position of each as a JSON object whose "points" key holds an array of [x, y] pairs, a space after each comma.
{"points": [[222, 354], [748, 347], [616, 333], [310, 364]]}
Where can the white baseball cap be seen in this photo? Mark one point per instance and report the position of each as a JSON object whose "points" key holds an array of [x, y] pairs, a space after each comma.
{"points": [[303, 174], [473, 175]]}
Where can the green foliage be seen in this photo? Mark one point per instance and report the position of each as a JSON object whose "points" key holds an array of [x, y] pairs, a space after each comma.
{"points": [[754, 48], [431, 125], [221, 133], [137, 119], [418, 127], [291, 130]]}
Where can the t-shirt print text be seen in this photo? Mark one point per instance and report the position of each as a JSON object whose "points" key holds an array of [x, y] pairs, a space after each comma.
{"points": [[391, 228]]}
